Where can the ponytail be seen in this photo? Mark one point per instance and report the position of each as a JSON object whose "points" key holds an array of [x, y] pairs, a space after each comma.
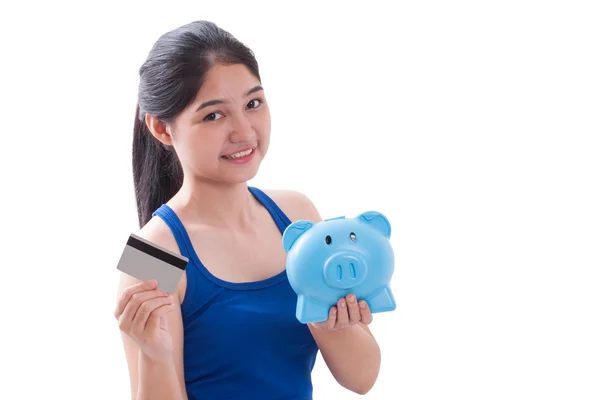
{"points": [[157, 172]]}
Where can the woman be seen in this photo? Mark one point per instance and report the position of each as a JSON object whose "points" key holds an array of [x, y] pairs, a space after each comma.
{"points": [[201, 130]]}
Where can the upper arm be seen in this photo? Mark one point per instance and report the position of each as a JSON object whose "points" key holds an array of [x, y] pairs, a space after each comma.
{"points": [[154, 233]]}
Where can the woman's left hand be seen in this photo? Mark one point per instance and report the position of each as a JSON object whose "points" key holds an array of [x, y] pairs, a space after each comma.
{"points": [[348, 312]]}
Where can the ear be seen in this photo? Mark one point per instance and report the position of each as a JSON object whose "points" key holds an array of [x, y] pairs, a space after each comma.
{"points": [[294, 231], [159, 130], [378, 221]]}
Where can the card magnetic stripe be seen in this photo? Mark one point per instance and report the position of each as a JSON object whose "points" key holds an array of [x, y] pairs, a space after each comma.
{"points": [[157, 253]]}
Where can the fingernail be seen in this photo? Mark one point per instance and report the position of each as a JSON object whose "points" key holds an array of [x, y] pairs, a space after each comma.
{"points": [[351, 298], [343, 304], [362, 304]]}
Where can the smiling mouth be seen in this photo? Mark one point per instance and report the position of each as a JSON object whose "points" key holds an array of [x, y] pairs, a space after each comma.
{"points": [[240, 154]]}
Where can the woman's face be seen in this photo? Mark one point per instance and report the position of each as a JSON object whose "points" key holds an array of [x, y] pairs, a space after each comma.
{"points": [[224, 134]]}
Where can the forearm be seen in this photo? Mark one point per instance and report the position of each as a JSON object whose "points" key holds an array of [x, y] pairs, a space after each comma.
{"points": [[158, 380], [352, 355]]}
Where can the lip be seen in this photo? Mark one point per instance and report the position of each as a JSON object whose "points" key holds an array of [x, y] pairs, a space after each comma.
{"points": [[239, 150]]}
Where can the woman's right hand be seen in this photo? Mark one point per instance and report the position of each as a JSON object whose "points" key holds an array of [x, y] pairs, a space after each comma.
{"points": [[141, 311]]}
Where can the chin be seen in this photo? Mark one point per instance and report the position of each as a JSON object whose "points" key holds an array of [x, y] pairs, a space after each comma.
{"points": [[243, 173], [241, 178]]}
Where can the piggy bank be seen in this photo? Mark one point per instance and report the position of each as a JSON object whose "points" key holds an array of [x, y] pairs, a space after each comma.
{"points": [[335, 257]]}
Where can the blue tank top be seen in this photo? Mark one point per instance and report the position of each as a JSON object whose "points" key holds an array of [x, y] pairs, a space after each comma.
{"points": [[242, 340]]}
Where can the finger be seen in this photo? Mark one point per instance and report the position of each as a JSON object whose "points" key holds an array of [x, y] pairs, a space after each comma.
{"points": [[331, 321], [155, 317], [353, 311], [130, 291], [365, 312], [342, 314], [147, 307], [135, 301]]}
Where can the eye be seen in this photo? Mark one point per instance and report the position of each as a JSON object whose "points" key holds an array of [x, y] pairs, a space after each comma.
{"points": [[352, 236], [254, 103], [328, 239], [213, 116]]}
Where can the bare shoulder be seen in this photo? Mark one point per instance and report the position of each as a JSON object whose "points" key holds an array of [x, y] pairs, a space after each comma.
{"points": [[294, 204], [157, 232]]}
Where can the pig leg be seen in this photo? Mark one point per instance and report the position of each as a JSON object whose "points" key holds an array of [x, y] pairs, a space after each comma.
{"points": [[382, 301], [310, 310]]}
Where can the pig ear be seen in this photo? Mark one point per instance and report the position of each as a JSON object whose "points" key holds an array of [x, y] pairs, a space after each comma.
{"points": [[378, 221], [294, 231]]}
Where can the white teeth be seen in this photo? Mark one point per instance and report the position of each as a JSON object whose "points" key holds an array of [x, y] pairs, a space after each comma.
{"points": [[240, 154]]}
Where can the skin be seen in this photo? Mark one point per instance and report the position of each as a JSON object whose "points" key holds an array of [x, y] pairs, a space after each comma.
{"points": [[219, 213]]}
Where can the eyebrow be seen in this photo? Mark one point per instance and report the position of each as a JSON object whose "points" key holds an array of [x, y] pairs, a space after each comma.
{"points": [[215, 102]]}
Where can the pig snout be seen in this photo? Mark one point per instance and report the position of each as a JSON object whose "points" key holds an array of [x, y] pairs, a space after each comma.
{"points": [[344, 271]]}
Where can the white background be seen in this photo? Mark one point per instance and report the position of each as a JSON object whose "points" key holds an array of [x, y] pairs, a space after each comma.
{"points": [[473, 125]]}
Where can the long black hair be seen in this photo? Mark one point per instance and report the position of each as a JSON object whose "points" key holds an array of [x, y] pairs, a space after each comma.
{"points": [[170, 79]]}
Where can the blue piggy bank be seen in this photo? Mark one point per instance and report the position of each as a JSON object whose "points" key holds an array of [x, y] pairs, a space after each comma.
{"points": [[335, 257]]}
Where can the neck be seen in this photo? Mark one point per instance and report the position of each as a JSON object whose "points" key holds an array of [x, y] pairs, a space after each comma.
{"points": [[228, 206]]}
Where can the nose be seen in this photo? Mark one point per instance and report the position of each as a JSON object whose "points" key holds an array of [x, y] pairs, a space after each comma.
{"points": [[241, 129], [344, 271]]}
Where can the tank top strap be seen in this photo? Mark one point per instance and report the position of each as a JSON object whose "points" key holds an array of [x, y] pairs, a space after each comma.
{"points": [[199, 291], [280, 218], [174, 223]]}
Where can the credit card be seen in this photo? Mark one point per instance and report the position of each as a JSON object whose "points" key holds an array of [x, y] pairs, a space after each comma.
{"points": [[145, 261]]}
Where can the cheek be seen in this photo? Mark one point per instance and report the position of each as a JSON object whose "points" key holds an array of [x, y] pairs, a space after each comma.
{"points": [[198, 149], [262, 124]]}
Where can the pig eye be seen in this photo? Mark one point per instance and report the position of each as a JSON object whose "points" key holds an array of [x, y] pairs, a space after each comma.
{"points": [[352, 236], [328, 239]]}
